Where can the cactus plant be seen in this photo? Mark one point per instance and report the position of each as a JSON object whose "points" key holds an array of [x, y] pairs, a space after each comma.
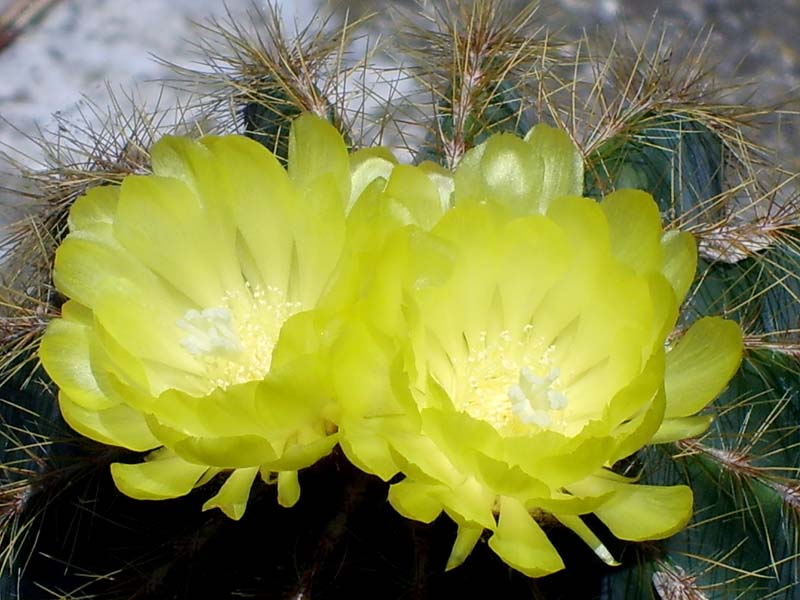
{"points": [[352, 405]]}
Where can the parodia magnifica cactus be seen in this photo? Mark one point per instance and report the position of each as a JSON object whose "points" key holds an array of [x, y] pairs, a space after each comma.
{"points": [[550, 369]]}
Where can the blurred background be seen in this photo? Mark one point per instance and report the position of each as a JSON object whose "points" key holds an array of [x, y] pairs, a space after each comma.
{"points": [[59, 56]]}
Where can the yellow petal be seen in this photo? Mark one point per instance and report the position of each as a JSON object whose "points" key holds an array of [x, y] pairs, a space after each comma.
{"points": [[318, 241], [83, 265], [371, 411], [602, 349], [639, 393], [635, 229], [636, 430], [369, 451], [582, 530], [521, 175], [521, 543], [222, 412], [151, 210], [534, 254], [680, 261], [317, 149], [302, 334], [224, 451], [505, 171], [509, 480], [119, 425], [263, 204], [191, 162], [415, 500], [461, 437], [292, 399], [144, 323], [298, 456], [232, 452], [64, 352], [123, 376], [472, 233], [234, 493], [562, 504], [162, 475], [640, 512], [585, 224], [555, 459], [640, 430], [412, 188], [665, 312], [701, 365], [288, 488], [466, 538], [470, 501], [672, 430], [92, 214], [425, 459], [368, 165], [563, 163], [443, 179]]}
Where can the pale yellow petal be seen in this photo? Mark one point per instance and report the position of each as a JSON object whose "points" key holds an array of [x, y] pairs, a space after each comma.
{"points": [[64, 352], [118, 425], [681, 428], [288, 488], [638, 512], [92, 214], [162, 475], [317, 150], [467, 536], [521, 543], [635, 229], [680, 261], [234, 493], [563, 163], [701, 364], [415, 500], [582, 530], [366, 166]]}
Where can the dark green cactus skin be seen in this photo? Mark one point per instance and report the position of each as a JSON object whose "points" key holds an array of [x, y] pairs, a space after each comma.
{"points": [[268, 124], [677, 159], [34, 449], [743, 517], [499, 108], [268, 120]]}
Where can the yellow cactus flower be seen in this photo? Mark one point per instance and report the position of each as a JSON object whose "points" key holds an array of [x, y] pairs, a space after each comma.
{"points": [[512, 382], [178, 286]]}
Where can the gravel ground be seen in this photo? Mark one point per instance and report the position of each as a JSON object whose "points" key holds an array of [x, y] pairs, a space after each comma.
{"points": [[67, 57]]}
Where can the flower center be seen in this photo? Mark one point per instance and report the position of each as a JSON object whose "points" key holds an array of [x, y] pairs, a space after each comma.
{"points": [[533, 399], [511, 383], [235, 341], [210, 332]]}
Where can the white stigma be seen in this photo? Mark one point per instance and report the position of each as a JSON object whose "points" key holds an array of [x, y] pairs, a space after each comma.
{"points": [[209, 332], [234, 340], [533, 398]]}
